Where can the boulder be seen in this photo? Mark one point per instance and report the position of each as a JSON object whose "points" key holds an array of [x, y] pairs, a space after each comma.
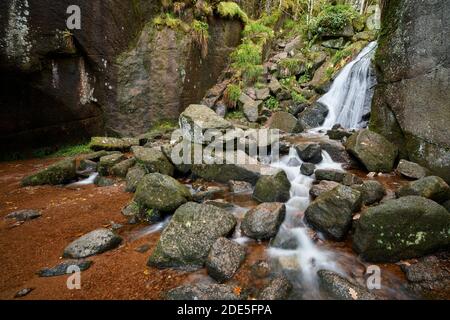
{"points": [[62, 268], [411, 170], [263, 221], [285, 122], [251, 110], [432, 187], [307, 169], [294, 162], [240, 186], [310, 153], [196, 292], [24, 215], [95, 242], [375, 152], [371, 192], [111, 144], [134, 176], [224, 259], [101, 181], [351, 179], [107, 162], [330, 175], [153, 160], [322, 187], [332, 212], [336, 287], [313, 116], [337, 152], [190, 235], [262, 94], [274, 86], [162, 193], [278, 289], [197, 119], [404, 228], [59, 173], [273, 188], [121, 169]]}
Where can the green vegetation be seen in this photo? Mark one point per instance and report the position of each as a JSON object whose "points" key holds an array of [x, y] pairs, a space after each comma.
{"points": [[170, 21], [247, 60], [200, 34], [341, 55], [333, 19], [272, 104], [232, 95], [235, 115], [258, 32], [232, 10], [164, 126], [298, 97], [292, 65]]}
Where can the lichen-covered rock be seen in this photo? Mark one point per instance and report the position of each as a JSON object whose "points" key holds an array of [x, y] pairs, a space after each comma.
{"points": [[134, 176], [329, 175], [285, 122], [336, 287], [121, 169], [404, 228], [95, 242], [59, 173], [24, 215], [273, 188], [161, 192], [224, 259], [278, 289], [263, 221], [153, 160], [332, 212], [110, 144], [322, 187], [196, 292], [373, 150], [432, 187], [190, 235], [411, 170], [310, 152], [107, 162], [371, 191], [240, 186]]}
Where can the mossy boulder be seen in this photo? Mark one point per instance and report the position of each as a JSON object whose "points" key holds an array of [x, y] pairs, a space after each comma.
{"points": [[153, 160], [58, 173], [285, 122], [411, 170], [161, 192], [273, 188], [332, 212], [434, 188], [375, 152], [112, 144], [404, 228], [190, 235], [134, 176], [372, 191], [107, 162], [121, 169]]}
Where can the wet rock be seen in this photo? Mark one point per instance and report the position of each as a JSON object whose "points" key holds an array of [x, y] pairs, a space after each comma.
{"points": [[111, 144], [337, 44], [103, 182], [24, 215], [278, 289], [208, 194], [134, 176], [337, 152], [24, 292], [58, 173], [153, 160], [314, 116], [404, 228], [307, 169], [285, 239], [224, 259], [240, 186], [323, 187], [338, 133], [93, 243], [351, 179], [434, 188], [310, 153], [273, 188], [411, 170], [131, 209], [336, 287], [200, 292], [197, 119], [332, 212], [294, 162], [95, 156], [330, 175], [121, 169], [220, 203], [285, 122], [371, 191], [373, 150], [261, 269], [61, 269], [430, 276], [190, 235], [160, 192], [263, 221], [143, 249], [107, 162], [87, 166]]}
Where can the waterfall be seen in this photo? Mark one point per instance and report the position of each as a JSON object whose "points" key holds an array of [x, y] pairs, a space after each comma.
{"points": [[350, 96]]}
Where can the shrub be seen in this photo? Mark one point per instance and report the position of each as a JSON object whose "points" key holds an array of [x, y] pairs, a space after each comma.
{"points": [[232, 95], [333, 19], [272, 104], [201, 36], [247, 59], [258, 32], [298, 97], [232, 10]]}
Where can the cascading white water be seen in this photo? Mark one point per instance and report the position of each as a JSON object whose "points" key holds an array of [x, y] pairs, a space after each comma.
{"points": [[350, 96]]}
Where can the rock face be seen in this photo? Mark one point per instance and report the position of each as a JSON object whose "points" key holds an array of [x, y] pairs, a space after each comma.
{"points": [[273, 188], [373, 150], [160, 192], [202, 292], [224, 259], [433, 188], [332, 212], [263, 221], [337, 287], [190, 235], [58, 173], [411, 106], [405, 228], [93, 243]]}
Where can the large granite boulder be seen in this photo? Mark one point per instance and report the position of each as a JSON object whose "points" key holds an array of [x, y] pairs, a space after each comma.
{"points": [[336, 287], [273, 188], [59, 173], [411, 170], [153, 160], [95, 242], [263, 221], [190, 235], [224, 259], [432, 187], [405, 228], [285, 122]]}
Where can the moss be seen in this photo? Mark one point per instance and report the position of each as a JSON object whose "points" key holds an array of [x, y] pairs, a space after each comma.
{"points": [[298, 97], [247, 60], [235, 115], [272, 104], [200, 34], [258, 32], [231, 10], [333, 19], [232, 95]]}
